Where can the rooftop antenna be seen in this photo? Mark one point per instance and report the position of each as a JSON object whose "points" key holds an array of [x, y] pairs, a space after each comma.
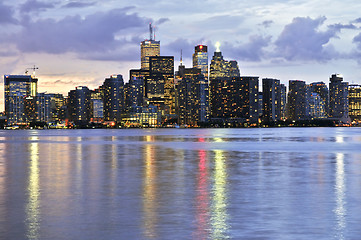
{"points": [[150, 32], [181, 58], [154, 32], [33, 68]]}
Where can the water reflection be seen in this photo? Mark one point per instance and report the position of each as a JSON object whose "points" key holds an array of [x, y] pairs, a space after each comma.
{"points": [[219, 204], [33, 191], [150, 203], [202, 199], [340, 189]]}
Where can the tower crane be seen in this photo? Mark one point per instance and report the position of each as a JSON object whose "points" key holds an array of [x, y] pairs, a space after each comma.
{"points": [[33, 68]]}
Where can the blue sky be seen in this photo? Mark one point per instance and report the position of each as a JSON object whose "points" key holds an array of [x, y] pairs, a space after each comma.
{"points": [[82, 42]]}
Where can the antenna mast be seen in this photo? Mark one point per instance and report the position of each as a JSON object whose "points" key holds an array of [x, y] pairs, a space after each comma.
{"points": [[150, 32], [181, 58]]}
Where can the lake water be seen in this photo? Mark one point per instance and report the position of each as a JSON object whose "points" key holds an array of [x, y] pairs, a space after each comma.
{"points": [[281, 183]]}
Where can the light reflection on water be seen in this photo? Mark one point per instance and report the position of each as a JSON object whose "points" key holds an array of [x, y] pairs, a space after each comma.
{"points": [[207, 184]]}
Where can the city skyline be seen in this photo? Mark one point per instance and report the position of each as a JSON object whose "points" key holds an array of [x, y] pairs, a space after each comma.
{"points": [[79, 43]]}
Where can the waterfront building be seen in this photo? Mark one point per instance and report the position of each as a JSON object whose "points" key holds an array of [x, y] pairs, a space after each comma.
{"points": [[338, 97], [57, 105], [97, 105], [192, 94], [113, 91], [316, 106], [160, 84], [134, 92], [142, 117], [322, 90], [79, 105], [20, 91], [271, 99], [149, 48], [354, 98], [200, 59], [283, 91], [297, 100], [235, 98], [43, 108]]}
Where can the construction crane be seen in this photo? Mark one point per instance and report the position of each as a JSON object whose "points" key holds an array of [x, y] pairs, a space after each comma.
{"points": [[33, 68]]}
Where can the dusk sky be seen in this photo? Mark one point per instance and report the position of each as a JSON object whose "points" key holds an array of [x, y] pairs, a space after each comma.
{"points": [[80, 43]]}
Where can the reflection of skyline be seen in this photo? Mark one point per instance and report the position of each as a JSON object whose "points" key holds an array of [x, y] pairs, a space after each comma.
{"points": [[33, 191], [219, 197], [150, 205], [202, 198], [340, 189]]}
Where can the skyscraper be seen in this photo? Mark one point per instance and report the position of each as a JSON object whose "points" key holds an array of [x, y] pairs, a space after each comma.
{"points": [[322, 90], [17, 89], [200, 59], [220, 68], [296, 100], [148, 48], [338, 97], [271, 99], [79, 105], [113, 88], [354, 96]]}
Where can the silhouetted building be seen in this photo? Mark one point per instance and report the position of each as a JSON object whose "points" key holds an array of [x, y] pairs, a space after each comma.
{"points": [[354, 98], [338, 97], [271, 99], [200, 59], [192, 94], [134, 92], [20, 92], [235, 98], [79, 105], [113, 88], [159, 86], [297, 100]]}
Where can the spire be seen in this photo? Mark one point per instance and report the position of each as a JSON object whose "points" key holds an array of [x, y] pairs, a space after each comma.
{"points": [[150, 31], [181, 58]]}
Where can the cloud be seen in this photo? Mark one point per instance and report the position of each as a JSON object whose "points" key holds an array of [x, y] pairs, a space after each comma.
{"points": [[161, 21], [267, 24], [340, 26], [93, 33], [75, 4], [35, 6], [302, 40], [357, 40], [175, 47], [7, 15], [253, 50]]}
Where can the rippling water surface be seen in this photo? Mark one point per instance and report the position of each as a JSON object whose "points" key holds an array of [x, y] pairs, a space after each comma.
{"points": [[286, 183]]}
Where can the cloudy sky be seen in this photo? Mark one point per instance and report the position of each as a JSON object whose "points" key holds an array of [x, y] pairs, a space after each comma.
{"points": [[82, 42]]}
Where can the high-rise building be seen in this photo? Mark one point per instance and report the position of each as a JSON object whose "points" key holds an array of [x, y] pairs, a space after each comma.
{"points": [[316, 106], [43, 107], [113, 92], [57, 105], [338, 97], [283, 90], [192, 94], [271, 99], [322, 90], [200, 59], [235, 98], [79, 105], [220, 68], [296, 100], [97, 105], [160, 84], [148, 48], [354, 98], [134, 92], [17, 89]]}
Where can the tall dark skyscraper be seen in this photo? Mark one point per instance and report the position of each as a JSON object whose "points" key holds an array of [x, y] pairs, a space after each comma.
{"points": [[192, 96], [113, 88], [200, 59], [297, 100], [79, 105], [271, 99], [338, 97], [149, 48], [235, 98], [20, 93], [159, 86]]}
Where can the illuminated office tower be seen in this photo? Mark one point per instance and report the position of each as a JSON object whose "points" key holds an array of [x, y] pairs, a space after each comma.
{"points": [[79, 105], [134, 92], [316, 106], [43, 107], [20, 92], [149, 48], [354, 98], [271, 99], [57, 105], [113, 88], [234, 69], [321, 89], [97, 104], [160, 84], [235, 98], [338, 97], [296, 100], [192, 94], [200, 59], [220, 68]]}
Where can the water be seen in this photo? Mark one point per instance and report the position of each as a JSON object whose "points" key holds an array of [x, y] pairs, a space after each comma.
{"points": [[286, 183]]}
